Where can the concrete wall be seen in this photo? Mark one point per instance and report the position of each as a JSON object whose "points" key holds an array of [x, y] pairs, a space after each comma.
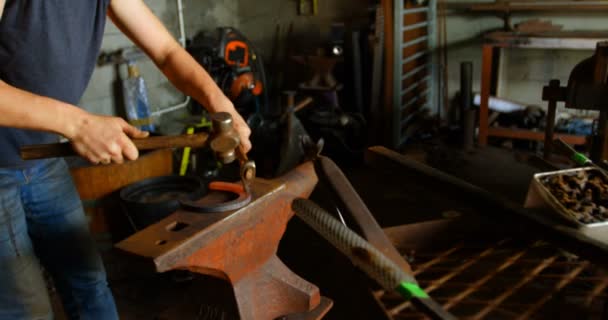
{"points": [[259, 20], [99, 96], [523, 71], [256, 20]]}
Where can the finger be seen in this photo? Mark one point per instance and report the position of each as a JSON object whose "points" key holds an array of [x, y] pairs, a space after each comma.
{"points": [[129, 150], [106, 161], [141, 134], [133, 132], [115, 153], [245, 145], [93, 160], [118, 158]]}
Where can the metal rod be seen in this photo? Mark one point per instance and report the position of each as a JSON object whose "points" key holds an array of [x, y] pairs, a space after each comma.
{"points": [[437, 283], [501, 298], [415, 10], [415, 99], [558, 287], [415, 41], [414, 85], [414, 71], [415, 26], [415, 56], [439, 258], [599, 288], [477, 284]]}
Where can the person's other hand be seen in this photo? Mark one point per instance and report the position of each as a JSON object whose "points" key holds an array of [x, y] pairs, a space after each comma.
{"points": [[104, 139], [238, 122]]}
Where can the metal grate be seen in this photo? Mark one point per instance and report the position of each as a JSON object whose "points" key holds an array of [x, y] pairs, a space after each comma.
{"points": [[506, 279]]}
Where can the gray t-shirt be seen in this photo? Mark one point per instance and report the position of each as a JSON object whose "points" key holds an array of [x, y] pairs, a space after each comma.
{"points": [[47, 47]]}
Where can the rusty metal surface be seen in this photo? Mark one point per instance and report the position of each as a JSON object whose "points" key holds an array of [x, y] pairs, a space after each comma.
{"points": [[242, 198], [506, 278], [318, 313], [356, 210], [239, 246], [590, 244], [504, 264]]}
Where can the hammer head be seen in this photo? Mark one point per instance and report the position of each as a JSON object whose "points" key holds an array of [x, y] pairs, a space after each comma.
{"points": [[224, 139], [225, 145]]}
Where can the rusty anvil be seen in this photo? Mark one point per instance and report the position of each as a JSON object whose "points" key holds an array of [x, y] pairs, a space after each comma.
{"points": [[240, 246]]}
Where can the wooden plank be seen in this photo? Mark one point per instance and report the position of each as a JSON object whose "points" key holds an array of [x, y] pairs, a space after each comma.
{"points": [[576, 40], [486, 79], [507, 7], [534, 135], [95, 185]]}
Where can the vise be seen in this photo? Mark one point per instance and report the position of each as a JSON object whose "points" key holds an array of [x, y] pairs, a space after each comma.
{"points": [[240, 247]]}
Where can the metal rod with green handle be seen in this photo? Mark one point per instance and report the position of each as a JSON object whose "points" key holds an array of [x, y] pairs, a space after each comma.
{"points": [[578, 158], [367, 258]]}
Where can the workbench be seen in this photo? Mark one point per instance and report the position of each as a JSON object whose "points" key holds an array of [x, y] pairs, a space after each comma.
{"points": [[592, 243], [493, 42]]}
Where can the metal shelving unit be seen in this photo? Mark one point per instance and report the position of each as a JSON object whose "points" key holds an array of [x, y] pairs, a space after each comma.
{"points": [[414, 64]]}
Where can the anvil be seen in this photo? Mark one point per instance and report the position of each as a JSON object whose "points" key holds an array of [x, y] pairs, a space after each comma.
{"points": [[240, 246]]}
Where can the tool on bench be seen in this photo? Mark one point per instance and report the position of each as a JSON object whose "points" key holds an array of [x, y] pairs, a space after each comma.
{"points": [[225, 144], [240, 247], [367, 257], [358, 215], [578, 158], [64, 149]]}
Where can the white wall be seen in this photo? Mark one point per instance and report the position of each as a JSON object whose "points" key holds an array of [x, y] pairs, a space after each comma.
{"points": [[524, 71], [208, 14]]}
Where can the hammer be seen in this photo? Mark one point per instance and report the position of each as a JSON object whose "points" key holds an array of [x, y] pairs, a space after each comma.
{"points": [[64, 149], [224, 141], [225, 145]]}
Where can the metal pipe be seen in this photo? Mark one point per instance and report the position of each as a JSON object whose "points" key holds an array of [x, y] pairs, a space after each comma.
{"points": [[180, 19], [466, 85], [182, 42], [467, 113]]}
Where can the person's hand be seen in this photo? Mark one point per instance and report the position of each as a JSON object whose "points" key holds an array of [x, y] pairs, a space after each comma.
{"points": [[238, 122], [104, 139]]}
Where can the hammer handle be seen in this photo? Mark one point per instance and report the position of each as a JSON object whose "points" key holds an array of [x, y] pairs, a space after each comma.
{"points": [[64, 149]]}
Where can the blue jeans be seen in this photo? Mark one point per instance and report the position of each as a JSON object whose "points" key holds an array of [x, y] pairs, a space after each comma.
{"points": [[42, 223]]}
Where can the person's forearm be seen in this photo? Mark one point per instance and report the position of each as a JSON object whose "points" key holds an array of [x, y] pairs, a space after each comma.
{"points": [[25, 110], [192, 79], [2, 3]]}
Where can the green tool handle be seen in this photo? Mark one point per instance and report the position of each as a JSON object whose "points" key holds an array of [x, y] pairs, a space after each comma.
{"points": [[366, 257], [359, 251], [578, 158], [567, 150]]}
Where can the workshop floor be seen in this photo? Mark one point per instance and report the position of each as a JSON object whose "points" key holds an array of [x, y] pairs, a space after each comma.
{"points": [[175, 296]]}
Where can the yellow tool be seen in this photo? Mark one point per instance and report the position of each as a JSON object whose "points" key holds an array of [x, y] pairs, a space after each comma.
{"points": [[308, 7], [186, 155]]}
